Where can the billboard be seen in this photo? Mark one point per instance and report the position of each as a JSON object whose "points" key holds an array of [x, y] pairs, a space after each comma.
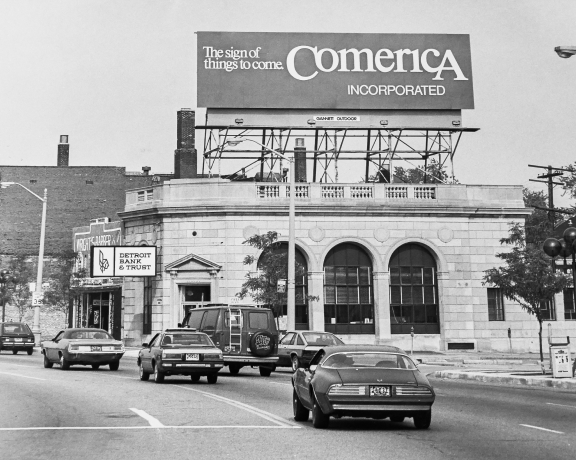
{"points": [[269, 70]]}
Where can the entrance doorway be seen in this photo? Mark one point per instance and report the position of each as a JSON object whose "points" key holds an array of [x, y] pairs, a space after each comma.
{"points": [[193, 296]]}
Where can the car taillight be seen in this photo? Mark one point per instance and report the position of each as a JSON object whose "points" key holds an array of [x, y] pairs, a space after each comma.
{"points": [[339, 389], [171, 355], [410, 390]]}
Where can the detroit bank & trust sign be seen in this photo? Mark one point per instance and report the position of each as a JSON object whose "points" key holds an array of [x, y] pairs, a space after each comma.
{"points": [[334, 71]]}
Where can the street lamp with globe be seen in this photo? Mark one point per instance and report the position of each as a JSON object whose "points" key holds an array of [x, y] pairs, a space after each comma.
{"points": [[564, 247]]}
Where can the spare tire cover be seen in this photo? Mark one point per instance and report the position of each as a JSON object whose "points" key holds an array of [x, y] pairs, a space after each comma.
{"points": [[262, 343]]}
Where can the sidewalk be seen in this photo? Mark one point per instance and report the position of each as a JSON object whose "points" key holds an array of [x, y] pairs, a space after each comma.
{"points": [[494, 368]]}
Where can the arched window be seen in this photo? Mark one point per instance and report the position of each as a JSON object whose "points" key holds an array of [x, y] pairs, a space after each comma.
{"points": [[301, 321], [348, 293], [413, 291]]}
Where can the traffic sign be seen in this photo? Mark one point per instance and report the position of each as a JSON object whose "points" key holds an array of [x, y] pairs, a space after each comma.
{"points": [[37, 298]]}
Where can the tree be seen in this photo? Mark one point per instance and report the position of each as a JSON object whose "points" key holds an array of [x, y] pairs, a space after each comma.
{"points": [[262, 286], [435, 173], [537, 227], [527, 278], [59, 274], [19, 294]]}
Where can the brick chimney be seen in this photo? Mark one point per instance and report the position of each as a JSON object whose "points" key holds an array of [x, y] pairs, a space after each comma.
{"points": [[185, 156], [146, 170], [300, 161], [63, 151]]}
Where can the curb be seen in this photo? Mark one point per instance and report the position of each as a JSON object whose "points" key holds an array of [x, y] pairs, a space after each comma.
{"points": [[507, 379]]}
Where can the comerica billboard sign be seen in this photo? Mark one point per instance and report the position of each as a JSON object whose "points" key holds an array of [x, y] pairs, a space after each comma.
{"points": [[334, 71]]}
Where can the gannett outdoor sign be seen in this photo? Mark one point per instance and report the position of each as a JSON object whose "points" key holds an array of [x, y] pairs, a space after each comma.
{"points": [[117, 261], [334, 71]]}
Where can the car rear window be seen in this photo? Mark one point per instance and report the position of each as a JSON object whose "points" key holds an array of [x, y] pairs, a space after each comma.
{"points": [[88, 334], [186, 339], [321, 339], [368, 360], [16, 328], [258, 320]]}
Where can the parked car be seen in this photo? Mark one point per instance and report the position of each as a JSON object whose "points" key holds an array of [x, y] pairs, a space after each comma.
{"points": [[83, 346], [180, 351], [16, 336], [362, 381], [297, 348], [246, 335]]}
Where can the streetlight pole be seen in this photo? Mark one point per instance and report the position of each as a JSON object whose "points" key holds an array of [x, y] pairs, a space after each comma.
{"points": [[291, 282], [38, 292], [564, 247]]}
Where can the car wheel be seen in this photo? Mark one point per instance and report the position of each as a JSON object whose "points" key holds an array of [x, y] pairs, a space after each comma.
{"points": [[295, 362], [423, 419], [144, 375], [234, 369], [301, 413], [95, 366], [64, 364], [47, 363], [397, 419], [195, 377], [30, 351], [319, 419], [212, 378], [14, 351], [158, 375], [265, 371], [114, 365]]}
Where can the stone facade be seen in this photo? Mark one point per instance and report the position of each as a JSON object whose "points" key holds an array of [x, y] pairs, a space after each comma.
{"points": [[199, 226]]}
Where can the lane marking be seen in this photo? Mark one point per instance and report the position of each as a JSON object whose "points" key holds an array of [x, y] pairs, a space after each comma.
{"points": [[153, 421], [560, 405], [541, 428], [21, 376], [263, 414], [114, 428]]}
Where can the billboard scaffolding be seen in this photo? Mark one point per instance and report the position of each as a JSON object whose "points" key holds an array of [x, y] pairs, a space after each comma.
{"points": [[379, 149]]}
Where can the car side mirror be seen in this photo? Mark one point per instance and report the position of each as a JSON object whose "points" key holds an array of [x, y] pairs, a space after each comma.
{"points": [[313, 368], [144, 344]]}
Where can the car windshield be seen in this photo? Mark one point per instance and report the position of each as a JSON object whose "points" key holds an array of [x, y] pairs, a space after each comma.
{"points": [[322, 339], [16, 328], [186, 339], [87, 334], [368, 360]]}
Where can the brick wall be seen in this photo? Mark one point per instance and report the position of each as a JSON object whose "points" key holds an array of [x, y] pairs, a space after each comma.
{"points": [[75, 195]]}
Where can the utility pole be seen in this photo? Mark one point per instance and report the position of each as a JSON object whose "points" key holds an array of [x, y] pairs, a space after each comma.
{"points": [[548, 176]]}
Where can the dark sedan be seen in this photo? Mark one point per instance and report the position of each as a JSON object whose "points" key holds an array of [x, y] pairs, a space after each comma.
{"points": [[362, 381], [83, 346], [16, 336], [297, 348], [180, 351]]}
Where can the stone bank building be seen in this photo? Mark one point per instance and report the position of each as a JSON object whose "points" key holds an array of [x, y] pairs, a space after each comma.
{"points": [[382, 259]]}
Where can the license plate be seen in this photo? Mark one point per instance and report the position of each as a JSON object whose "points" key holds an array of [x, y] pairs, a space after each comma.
{"points": [[95, 348], [379, 391], [18, 340], [193, 357]]}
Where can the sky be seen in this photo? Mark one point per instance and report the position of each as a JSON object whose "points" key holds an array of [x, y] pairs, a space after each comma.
{"points": [[113, 74]]}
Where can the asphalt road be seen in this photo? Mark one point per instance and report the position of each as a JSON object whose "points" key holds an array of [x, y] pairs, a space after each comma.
{"points": [[87, 414]]}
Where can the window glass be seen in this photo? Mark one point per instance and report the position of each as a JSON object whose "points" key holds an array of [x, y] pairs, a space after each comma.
{"points": [[184, 339], [495, 304], [88, 334], [287, 339], [195, 318], [413, 291], [322, 339], [154, 340], [258, 320], [16, 328], [299, 341], [368, 360], [209, 320], [569, 311], [548, 310]]}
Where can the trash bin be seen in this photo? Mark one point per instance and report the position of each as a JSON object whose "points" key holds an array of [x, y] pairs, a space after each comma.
{"points": [[560, 361]]}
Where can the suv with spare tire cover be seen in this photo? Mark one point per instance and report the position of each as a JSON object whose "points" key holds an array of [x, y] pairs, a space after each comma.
{"points": [[247, 335]]}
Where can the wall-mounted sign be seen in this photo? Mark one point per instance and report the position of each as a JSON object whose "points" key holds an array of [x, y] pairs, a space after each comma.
{"points": [[245, 70], [107, 261]]}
